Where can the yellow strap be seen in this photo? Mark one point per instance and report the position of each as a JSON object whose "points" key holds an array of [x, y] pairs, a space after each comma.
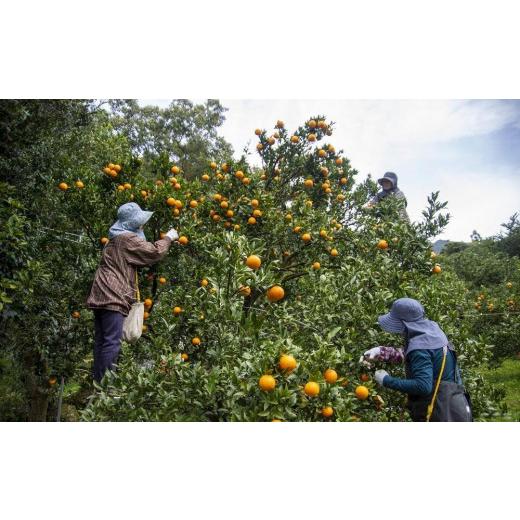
{"points": [[432, 404], [137, 287]]}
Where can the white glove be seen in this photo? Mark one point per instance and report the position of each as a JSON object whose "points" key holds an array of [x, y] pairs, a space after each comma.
{"points": [[380, 375], [172, 234], [371, 355]]}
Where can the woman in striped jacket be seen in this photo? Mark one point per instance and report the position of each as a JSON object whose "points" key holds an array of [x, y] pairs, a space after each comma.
{"points": [[113, 290]]}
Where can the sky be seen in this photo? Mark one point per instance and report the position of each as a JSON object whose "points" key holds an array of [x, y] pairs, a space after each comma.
{"points": [[469, 150]]}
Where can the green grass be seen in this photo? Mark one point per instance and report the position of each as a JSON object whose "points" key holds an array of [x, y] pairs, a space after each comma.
{"points": [[508, 375]]}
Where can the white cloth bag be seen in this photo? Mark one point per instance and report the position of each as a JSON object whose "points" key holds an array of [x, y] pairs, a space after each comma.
{"points": [[133, 324]]}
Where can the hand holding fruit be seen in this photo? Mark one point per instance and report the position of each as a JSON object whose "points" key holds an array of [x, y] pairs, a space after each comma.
{"points": [[371, 354], [172, 234], [380, 375]]}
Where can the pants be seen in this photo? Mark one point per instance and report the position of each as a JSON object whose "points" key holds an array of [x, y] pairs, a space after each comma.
{"points": [[107, 343]]}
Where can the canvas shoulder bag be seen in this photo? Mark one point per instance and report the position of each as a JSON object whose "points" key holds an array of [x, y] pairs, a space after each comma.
{"points": [[133, 324]]}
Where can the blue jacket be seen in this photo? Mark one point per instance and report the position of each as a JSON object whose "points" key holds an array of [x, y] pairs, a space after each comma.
{"points": [[422, 369]]}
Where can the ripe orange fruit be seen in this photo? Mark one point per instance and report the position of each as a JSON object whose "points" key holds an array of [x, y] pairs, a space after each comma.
{"points": [[322, 153], [316, 266], [148, 302], [225, 167], [311, 137], [205, 177], [63, 186], [339, 161], [193, 203], [204, 282], [334, 252], [236, 227], [327, 411], [361, 392], [271, 140], [246, 181], [308, 203], [297, 229], [178, 204], [175, 170], [255, 203], [224, 204], [76, 314], [382, 244], [259, 147], [107, 170], [509, 285], [244, 290], [294, 139], [177, 186], [306, 237], [127, 186], [312, 124], [162, 280], [176, 212], [216, 218], [275, 293], [340, 197], [279, 123], [365, 378], [288, 216], [251, 220], [309, 183], [170, 201], [331, 148], [104, 241], [253, 262], [120, 188], [258, 131], [343, 180], [146, 315], [144, 328], [312, 389], [257, 213], [229, 213], [79, 185], [113, 174], [185, 356], [195, 341], [213, 165], [324, 171], [143, 194], [330, 375], [267, 383], [183, 240], [239, 174], [323, 233], [276, 420], [436, 269], [287, 363], [53, 380], [177, 310]]}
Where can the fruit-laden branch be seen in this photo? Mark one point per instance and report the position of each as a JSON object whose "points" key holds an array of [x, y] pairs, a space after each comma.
{"points": [[293, 276]]}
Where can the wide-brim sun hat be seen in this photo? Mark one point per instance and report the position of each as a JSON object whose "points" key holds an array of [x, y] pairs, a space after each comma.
{"points": [[388, 176], [403, 310], [132, 217]]}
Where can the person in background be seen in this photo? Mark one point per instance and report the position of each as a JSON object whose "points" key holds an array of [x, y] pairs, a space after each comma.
{"points": [[389, 184], [113, 290], [423, 354]]}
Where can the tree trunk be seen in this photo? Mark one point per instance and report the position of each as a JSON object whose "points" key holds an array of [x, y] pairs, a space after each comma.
{"points": [[39, 405]]}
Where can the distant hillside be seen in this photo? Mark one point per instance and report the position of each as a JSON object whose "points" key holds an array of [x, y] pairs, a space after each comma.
{"points": [[439, 245]]}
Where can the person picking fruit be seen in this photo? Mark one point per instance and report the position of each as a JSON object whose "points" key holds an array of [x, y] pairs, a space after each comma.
{"points": [[389, 184], [430, 364], [114, 287]]}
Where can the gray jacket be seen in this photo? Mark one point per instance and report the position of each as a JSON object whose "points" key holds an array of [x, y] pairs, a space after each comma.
{"points": [[394, 191]]}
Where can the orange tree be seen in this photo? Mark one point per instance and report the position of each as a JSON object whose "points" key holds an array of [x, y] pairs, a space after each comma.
{"points": [[68, 164], [264, 306]]}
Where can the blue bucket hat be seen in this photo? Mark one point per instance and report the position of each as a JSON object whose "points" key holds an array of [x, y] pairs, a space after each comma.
{"points": [[130, 217], [402, 310]]}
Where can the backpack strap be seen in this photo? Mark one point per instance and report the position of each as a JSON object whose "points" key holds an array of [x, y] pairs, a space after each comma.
{"points": [[432, 404], [137, 287]]}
